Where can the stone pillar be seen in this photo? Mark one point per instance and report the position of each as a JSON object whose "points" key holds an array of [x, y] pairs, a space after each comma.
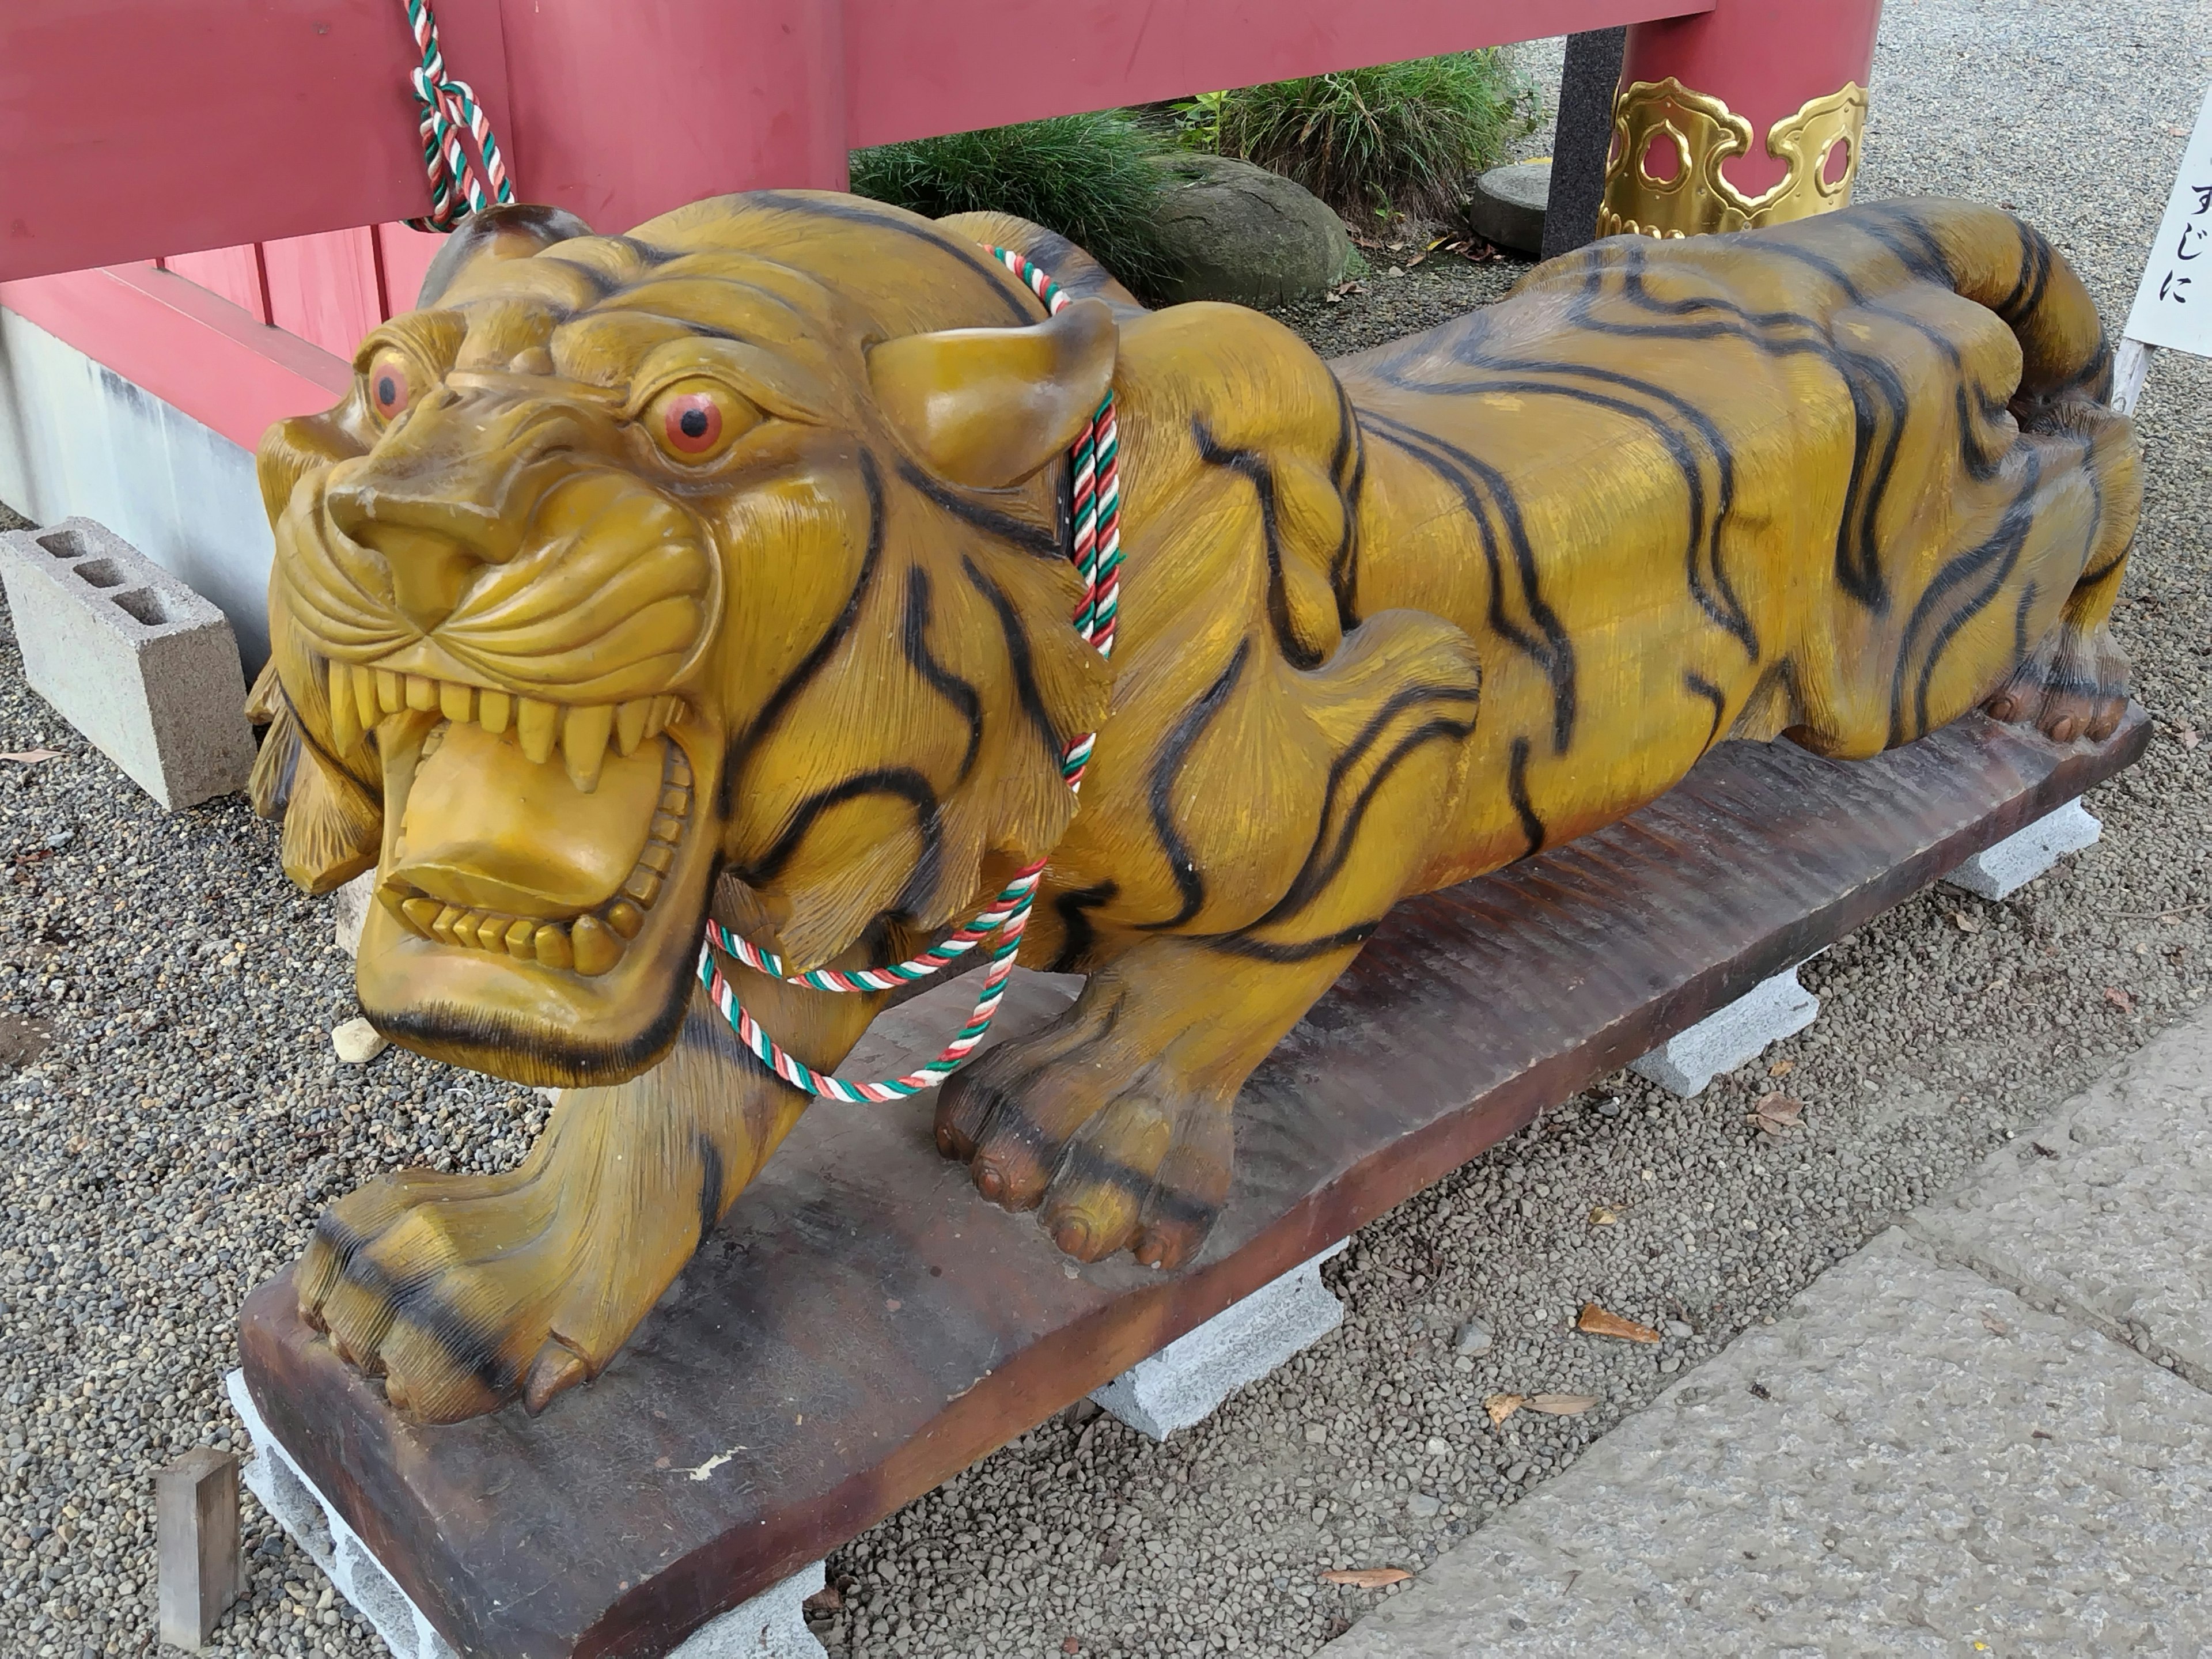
{"points": [[1749, 114], [1584, 136]]}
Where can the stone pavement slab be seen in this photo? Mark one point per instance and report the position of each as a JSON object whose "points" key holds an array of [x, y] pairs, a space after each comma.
{"points": [[2104, 1212], [1956, 1441], [1912, 1461]]}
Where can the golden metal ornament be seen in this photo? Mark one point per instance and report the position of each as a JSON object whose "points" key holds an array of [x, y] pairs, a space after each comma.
{"points": [[1698, 199]]}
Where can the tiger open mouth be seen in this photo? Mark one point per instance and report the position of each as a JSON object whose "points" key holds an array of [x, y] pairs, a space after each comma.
{"points": [[480, 860], [541, 868]]}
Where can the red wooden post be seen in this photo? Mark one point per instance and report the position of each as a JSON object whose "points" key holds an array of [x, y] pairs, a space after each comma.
{"points": [[624, 111], [1749, 114]]}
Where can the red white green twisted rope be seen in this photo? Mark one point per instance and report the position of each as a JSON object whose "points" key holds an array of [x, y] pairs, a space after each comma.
{"points": [[448, 104], [1094, 492]]}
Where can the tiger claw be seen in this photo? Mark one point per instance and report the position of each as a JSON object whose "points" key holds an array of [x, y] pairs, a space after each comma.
{"points": [[557, 1368]]}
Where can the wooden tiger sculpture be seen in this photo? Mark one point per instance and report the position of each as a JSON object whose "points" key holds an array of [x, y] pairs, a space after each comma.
{"points": [[720, 569]]}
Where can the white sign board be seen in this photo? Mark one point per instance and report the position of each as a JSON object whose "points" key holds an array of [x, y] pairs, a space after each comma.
{"points": [[2173, 307]]}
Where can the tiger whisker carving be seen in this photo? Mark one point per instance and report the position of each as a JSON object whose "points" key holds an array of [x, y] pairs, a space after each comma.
{"points": [[721, 570]]}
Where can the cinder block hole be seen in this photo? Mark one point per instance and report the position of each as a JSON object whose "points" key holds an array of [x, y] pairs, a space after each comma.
{"points": [[66, 543], [145, 603], [101, 573]]}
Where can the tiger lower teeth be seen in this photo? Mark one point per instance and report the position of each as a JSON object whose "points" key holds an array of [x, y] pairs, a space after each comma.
{"points": [[590, 945]]}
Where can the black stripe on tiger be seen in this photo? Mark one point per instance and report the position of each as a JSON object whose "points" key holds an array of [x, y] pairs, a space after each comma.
{"points": [[1516, 788], [1167, 769], [710, 1181], [1020, 305], [2001, 548], [1698, 684], [1262, 477], [1344, 564], [780, 699], [1707, 577], [901, 782], [914, 640], [1320, 867], [1019, 659], [1032, 538], [1077, 935], [1482, 489]]}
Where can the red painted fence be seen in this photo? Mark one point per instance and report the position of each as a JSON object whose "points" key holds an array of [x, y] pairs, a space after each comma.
{"points": [[279, 135]]}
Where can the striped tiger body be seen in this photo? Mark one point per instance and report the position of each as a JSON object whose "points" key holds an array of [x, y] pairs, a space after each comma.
{"points": [[720, 569]]}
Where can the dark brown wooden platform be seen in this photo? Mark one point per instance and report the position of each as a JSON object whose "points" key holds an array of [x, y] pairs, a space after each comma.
{"points": [[862, 1284]]}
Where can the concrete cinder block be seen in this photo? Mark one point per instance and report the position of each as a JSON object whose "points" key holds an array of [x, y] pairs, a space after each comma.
{"points": [[771, 1625], [133, 659], [1183, 1382], [2001, 870], [317, 1527], [1729, 1037]]}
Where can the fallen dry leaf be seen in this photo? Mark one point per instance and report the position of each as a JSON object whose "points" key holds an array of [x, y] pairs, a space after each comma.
{"points": [[1561, 1405], [1597, 1321], [1782, 1068], [1366, 1577], [828, 1599], [31, 757], [2119, 998], [1995, 1326], [1967, 923], [1601, 1217], [1776, 1113], [1503, 1406], [2189, 737]]}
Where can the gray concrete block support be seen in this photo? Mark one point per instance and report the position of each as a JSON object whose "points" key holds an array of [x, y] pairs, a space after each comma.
{"points": [[2001, 870], [1731, 1036], [1184, 1381], [771, 1625], [146, 669]]}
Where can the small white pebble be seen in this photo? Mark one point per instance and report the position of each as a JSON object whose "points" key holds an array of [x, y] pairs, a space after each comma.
{"points": [[357, 1042]]}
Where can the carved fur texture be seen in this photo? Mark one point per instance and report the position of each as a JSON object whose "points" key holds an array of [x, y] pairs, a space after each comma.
{"points": [[695, 569]]}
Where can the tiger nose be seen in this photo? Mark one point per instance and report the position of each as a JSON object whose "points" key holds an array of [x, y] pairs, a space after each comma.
{"points": [[429, 572]]}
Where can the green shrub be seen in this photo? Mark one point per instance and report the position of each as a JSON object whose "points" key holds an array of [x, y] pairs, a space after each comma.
{"points": [[1095, 179], [1402, 137]]}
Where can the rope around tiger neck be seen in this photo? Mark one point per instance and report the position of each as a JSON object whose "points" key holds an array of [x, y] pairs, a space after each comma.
{"points": [[1095, 551]]}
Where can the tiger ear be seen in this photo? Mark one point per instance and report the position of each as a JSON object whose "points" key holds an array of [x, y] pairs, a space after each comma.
{"points": [[989, 407]]}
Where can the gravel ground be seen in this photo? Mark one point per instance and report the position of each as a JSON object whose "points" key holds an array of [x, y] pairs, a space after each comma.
{"points": [[172, 1118]]}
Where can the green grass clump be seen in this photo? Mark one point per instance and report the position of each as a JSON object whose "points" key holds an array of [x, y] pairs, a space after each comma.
{"points": [[1398, 138], [1095, 179]]}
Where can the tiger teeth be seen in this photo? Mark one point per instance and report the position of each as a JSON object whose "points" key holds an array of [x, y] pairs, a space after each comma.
{"points": [[591, 944], [361, 698], [584, 736], [536, 724]]}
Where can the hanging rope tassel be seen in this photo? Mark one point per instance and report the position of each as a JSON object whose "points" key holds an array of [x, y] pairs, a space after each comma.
{"points": [[447, 105], [1095, 491]]}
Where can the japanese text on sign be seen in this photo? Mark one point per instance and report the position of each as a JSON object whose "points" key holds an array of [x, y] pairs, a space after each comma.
{"points": [[2173, 307]]}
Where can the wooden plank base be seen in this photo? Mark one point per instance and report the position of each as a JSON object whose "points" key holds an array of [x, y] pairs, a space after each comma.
{"points": [[863, 1325]]}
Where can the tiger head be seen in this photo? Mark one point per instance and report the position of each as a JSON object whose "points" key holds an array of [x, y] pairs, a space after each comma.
{"points": [[717, 565]]}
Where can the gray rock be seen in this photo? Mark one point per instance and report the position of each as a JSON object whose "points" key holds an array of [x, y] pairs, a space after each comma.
{"points": [[1236, 232], [1507, 205], [1422, 1507], [1473, 1339], [1677, 1329]]}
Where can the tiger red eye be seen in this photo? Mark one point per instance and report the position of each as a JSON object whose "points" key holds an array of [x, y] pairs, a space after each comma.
{"points": [[693, 422], [389, 392]]}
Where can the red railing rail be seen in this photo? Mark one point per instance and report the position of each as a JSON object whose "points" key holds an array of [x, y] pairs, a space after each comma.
{"points": [[131, 130]]}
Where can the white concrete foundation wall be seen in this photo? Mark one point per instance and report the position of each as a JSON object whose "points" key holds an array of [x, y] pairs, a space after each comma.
{"points": [[77, 440]]}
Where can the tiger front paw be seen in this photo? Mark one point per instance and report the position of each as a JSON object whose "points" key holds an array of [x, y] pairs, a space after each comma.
{"points": [[1113, 1153], [2072, 685], [463, 1292]]}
